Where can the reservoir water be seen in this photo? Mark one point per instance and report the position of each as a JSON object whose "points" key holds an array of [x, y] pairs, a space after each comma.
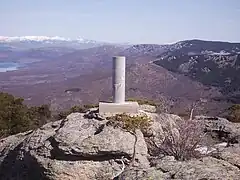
{"points": [[8, 66]]}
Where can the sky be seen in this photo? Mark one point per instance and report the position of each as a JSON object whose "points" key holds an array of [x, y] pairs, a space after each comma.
{"points": [[134, 21]]}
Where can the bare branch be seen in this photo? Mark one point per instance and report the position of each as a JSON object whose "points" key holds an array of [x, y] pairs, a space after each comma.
{"points": [[122, 170], [181, 141]]}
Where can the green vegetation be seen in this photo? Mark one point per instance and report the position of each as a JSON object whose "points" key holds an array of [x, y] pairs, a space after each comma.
{"points": [[234, 113], [143, 101], [74, 109], [16, 117], [131, 123], [13, 115], [40, 115]]}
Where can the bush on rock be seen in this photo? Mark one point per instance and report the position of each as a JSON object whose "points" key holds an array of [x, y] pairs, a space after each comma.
{"points": [[75, 109], [182, 139], [131, 123]]}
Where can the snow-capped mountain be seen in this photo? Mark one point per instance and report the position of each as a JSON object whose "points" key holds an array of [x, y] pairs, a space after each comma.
{"points": [[23, 42], [43, 39], [31, 38]]}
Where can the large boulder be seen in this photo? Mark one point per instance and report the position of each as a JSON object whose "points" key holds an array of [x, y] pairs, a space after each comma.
{"points": [[169, 168], [204, 168], [230, 154], [74, 148], [221, 129], [155, 134]]}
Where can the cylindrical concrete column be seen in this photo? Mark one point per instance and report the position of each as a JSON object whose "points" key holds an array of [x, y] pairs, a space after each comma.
{"points": [[118, 79]]}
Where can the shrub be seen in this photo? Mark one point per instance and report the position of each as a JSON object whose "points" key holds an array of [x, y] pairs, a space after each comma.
{"points": [[131, 123], [234, 113], [62, 115], [89, 106], [181, 141], [143, 101], [16, 117], [74, 109], [13, 115], [40, 115]]}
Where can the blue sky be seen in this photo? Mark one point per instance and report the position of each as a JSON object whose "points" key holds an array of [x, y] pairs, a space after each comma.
{"points": [[135, 21]]}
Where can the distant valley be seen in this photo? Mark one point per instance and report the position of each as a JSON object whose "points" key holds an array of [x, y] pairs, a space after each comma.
{"points": [[176, 75]]}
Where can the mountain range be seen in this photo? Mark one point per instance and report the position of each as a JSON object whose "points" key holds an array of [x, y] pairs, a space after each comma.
{"points": [[174, 74], [25, 42], [211, 63]]}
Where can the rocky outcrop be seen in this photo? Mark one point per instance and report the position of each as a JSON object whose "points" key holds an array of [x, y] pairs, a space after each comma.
{"points": [[221, 129], [74, 148], [85, 146], [169, 168]]}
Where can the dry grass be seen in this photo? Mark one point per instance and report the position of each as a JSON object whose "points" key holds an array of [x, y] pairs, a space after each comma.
{"points": [[182, 140], [131, 123], [143, 101]]}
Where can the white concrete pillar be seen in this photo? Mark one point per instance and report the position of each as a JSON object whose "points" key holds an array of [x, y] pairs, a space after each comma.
{"points": [[118, 79]]}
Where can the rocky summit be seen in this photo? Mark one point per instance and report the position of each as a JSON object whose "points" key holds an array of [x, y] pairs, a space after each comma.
{"points": [[85, 146]]}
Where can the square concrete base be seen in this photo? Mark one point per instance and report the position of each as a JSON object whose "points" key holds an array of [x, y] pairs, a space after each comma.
{"points": [[127, 107]]}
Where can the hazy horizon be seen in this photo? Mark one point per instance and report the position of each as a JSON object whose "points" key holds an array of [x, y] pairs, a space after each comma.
{"points": [[155, 21]]}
